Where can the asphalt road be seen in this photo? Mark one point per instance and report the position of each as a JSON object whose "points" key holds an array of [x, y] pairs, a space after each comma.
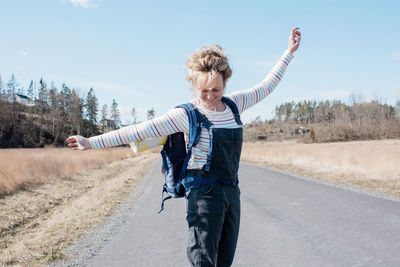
{"points": [[286, 221]]}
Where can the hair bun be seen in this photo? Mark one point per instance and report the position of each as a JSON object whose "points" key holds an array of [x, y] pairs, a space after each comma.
{"points": [[208, 60]]}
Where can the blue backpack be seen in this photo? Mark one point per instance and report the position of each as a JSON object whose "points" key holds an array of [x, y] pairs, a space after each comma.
{"points": [[176, 153]]}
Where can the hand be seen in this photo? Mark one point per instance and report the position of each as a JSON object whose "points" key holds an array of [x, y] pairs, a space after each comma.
{"points": [[294, 40], [78, 142]]}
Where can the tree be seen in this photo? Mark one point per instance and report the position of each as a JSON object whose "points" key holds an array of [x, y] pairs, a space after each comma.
{"points": [[151, 114], [11, 88], [279, 112], [104, 117], [115, 115], [3, 92], [65, 118], [42, 107], [288, 110], [31, 91], [11, 85], [91, 107], [76, 112], [43, 94], [310, 108]]}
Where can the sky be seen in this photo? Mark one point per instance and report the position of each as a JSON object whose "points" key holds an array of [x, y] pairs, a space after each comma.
{"points": [[135, 51]]}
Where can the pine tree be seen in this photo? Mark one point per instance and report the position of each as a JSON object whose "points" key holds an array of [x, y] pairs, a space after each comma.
{"points": [[104, 117], [42, 107], [31, 91], [76, 112], [11, 85], [3, 92], [91, 107], [151, 114], [43, 95], [115, 115], [11, 89], [65, 118]]}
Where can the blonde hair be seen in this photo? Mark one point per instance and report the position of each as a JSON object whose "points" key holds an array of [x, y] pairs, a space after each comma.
{"points": [[205, 64]]}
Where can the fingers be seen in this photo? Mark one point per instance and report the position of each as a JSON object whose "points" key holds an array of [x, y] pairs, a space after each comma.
{"points": [[294, 39], [71, 140], [295, 33], [78, 142], [295, 36], [294, 30]]}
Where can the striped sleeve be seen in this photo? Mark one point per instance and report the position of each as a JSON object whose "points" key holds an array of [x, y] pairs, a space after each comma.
{"points": [[248, 98], [173, 121]]}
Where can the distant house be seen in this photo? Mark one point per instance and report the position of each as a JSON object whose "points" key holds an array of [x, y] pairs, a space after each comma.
{"points": [[23, 99]]}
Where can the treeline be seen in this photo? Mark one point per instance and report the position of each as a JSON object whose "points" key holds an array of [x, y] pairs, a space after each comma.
{"points": [[45, 115], [327, 121]]}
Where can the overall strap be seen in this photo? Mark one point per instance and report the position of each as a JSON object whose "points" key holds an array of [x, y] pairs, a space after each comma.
{"points": [[234, 109]]}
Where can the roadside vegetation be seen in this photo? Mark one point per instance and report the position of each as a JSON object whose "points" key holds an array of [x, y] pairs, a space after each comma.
{"points": [[48, 213], [370, 165], [328, 121], [24, 168]]}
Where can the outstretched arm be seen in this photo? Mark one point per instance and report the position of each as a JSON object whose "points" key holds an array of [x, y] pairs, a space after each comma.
{"points": [[248, 98], [171, 122]]}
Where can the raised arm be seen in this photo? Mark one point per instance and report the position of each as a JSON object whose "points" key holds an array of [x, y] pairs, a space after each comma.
{"points": [[171, 122], [248, 98]]}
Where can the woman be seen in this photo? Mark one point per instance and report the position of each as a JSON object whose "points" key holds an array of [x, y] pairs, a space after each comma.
{"points": [[213, 210]]}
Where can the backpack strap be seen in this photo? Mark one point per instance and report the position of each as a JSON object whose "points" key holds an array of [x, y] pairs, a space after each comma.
{"points": [[195, 118]]}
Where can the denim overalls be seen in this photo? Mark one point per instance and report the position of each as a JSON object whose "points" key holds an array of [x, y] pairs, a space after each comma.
{"points": [[213, 204]]}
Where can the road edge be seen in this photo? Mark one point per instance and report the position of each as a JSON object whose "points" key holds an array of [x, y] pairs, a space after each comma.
{"points": [[348, 187]]}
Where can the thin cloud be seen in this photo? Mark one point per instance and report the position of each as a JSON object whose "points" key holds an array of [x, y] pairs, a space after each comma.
{"points": [[22, 53]]}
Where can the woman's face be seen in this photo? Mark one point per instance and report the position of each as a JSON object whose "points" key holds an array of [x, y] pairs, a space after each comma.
{"points": [[210, 97]]}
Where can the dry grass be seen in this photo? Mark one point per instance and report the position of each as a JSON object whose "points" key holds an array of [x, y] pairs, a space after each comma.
{"points": [[20, 168], [38, 222], [372, 165]]}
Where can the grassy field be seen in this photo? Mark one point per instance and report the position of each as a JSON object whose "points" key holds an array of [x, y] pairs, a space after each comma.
{"points": [[58, 195], [21, 168], [371, 165]]}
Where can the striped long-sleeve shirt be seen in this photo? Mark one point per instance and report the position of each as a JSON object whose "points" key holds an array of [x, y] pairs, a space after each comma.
{"points": [[176, 120]]}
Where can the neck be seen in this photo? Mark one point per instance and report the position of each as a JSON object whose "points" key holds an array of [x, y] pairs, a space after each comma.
{"points": [[219, 106]]}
